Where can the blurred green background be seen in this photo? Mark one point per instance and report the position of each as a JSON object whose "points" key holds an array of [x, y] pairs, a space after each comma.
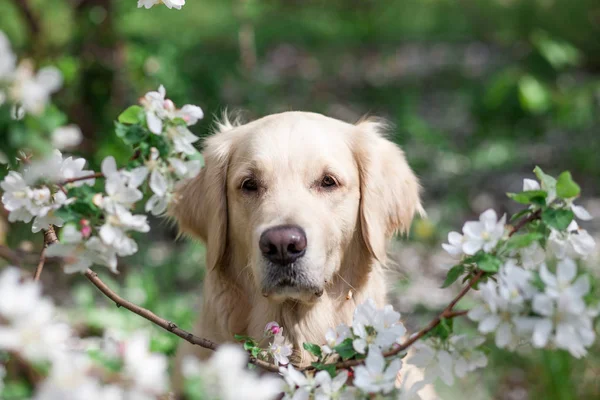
{"points": [[479, 92]]}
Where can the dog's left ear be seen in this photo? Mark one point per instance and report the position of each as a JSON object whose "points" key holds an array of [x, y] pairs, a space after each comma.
{"points": [[389, 189], [200, 207]]}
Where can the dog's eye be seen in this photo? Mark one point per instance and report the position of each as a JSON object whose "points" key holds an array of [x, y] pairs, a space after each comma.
{"points": [[250, 185], [329, 182]]}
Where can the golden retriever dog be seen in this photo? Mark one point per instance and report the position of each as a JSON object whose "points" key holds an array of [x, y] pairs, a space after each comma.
{"points": [[296, 210]]}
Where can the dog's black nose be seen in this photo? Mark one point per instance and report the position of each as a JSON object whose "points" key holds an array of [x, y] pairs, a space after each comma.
{"points": [[283, 244]]}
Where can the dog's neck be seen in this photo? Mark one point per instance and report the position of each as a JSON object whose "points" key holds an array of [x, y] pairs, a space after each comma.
{"points": [[247, 312]]}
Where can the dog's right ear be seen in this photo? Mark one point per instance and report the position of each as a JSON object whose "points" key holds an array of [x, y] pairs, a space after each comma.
{"points": [[200, 205]]}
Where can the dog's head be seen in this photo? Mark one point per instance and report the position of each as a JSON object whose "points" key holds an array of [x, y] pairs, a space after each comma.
{"points": [[284, 196]]}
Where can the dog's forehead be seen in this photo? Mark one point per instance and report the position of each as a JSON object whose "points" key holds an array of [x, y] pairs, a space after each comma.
{"points": [[296, 138]]}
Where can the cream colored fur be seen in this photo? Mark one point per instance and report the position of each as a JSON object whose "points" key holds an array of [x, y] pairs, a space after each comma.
{"points": [[347, 228]]}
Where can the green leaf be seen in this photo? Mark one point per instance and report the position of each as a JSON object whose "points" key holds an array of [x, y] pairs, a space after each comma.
{"points": [[566, 188], [557, 218], [131, 134], [548, 182], [242, 338], [132, 115], [325, 367], [533, 95], [255, 352], [345, 349], [537, 197], [520, 214], [487, 262], [558, 53], [453, 274], [313, 349], [443, 330], [249, 345], [520, 241]]}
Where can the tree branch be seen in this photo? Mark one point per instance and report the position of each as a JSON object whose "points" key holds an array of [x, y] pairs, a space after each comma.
{"points": [[31, 19], [50, 238]]}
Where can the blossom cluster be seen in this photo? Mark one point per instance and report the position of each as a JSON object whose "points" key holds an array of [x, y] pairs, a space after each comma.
{"points": [[538, 296], [373, 332], [225, 376], [30, 332], [28, 91], [51, 190]]}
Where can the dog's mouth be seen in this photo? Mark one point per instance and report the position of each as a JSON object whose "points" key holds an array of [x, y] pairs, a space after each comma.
{"points": [[291, 284]]}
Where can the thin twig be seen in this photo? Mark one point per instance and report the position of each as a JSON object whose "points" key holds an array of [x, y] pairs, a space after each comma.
{"points": [[49, 238], [82, 178], [163, 323]]}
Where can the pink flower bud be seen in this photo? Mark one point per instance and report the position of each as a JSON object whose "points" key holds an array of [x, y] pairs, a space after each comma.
{"points": [[169, 105], [273, 328]]}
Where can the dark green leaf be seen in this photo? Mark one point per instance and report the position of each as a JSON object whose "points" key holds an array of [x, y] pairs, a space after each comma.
{"points": [[345, 349], [566, 188], [488, 263], [443, 330], [453, 274], [520, 214], [132, 115], [520, 241], [132, 134], [313, 349], [557, 218], [325, 367], [537, 197]]}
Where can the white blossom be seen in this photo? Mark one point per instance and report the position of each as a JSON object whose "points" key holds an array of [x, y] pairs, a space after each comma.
{"points": [[500, 312], [454, 247], [32, 91], [147, 370], [280, 350], [373, 376], [436, 362], [159, 184], [66, 137], [300, 386], [28, 325], [564, 280], [530, 185], [182, 139], [483, 234], [331, 389], [379, 327], [190, 114], [466, 356], [573, 243], [176, 4], [564, 323], [69, 378], [224, 376], [579, 211], [154, 104], [532, 256], [335, 337], [121, 186], [147, 3], [79, 255], [114, 231]]}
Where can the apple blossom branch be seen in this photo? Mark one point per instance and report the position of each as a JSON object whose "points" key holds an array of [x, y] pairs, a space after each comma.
{"points": [[51, 238]]}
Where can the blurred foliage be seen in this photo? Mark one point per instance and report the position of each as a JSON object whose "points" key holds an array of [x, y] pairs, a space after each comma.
{"points": [[479, 91]]}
